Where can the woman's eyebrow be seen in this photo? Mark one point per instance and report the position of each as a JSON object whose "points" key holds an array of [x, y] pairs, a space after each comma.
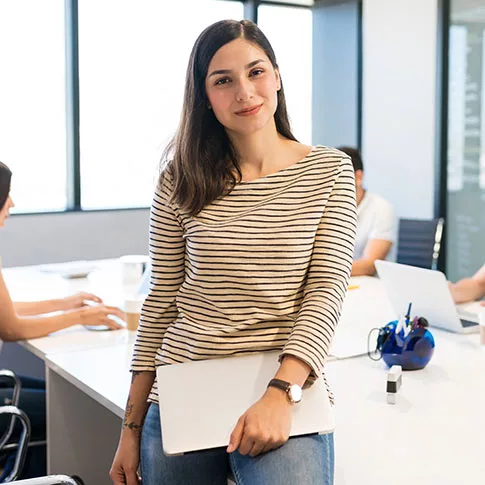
{"points": [[228, 71]]}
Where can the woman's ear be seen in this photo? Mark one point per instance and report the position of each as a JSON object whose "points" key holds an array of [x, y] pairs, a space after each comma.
{"points": [[278, 79]]}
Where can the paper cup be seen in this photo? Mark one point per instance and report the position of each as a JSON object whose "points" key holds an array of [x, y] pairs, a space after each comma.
{"points": [[132, 268], [132, 312]]}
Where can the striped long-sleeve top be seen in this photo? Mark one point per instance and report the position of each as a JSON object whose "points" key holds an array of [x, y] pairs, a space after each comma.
{"points": [[264, 267]]}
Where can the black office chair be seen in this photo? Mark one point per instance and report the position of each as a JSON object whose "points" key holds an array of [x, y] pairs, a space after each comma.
{"points": [[17, 448], [419, 242]]}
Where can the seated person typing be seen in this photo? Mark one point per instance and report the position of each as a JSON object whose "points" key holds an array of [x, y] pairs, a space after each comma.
{"points": [[28, 320], [470, 289], [376, 223]]}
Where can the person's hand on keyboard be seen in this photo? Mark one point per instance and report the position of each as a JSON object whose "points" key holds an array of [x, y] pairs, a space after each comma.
{"points": [[101, 315], [79, 300]]}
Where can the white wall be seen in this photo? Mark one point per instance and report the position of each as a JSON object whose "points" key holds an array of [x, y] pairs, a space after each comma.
{"points": [[49, 238], [399, 102]]}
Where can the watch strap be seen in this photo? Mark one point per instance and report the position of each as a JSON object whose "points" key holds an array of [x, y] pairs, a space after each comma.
{"points": [[280, 384]]}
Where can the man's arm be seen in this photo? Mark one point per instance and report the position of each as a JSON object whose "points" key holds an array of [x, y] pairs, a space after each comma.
{"points": [[469, 289], [375, 249]]}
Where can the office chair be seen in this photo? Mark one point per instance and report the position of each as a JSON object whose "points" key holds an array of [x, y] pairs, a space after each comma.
{"points": [[20, 448], [15, 413], [419, 242]]}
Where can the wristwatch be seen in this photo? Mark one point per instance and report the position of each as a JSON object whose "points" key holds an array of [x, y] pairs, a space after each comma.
{"points": [[293, 391]]}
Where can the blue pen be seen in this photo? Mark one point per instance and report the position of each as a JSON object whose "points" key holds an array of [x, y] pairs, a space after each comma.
{"points": [[408, 315]]}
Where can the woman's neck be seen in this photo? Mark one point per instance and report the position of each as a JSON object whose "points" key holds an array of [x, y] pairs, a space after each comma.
{"points": [[259, 151]]}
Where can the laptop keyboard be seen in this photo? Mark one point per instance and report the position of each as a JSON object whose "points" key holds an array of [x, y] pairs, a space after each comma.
{"points": [[467, 323]]}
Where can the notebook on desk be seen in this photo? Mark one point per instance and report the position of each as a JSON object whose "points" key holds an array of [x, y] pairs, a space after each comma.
{"points": [[201, 401], [429, 293]]}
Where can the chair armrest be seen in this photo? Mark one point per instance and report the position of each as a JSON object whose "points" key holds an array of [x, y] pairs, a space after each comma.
{"points": [[50, 480], [9, 375], [15, 412]]}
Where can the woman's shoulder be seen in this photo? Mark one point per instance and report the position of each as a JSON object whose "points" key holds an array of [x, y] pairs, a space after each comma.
{"points": [[329, 160], [329, 153]]}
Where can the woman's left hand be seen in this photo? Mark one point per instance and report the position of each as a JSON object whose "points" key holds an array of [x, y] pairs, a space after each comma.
{"points": [[264, 426], [78, 300]]}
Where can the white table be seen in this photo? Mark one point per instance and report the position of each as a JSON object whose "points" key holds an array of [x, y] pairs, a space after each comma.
{"points": [[433, 435], [365, 307], [87, 392]]}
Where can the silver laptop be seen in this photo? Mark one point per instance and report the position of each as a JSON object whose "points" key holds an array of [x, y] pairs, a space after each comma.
{"points": [[429, 293], [201, 401]]}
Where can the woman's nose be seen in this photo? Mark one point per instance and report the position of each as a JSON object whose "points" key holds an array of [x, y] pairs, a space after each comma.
{"points": [[244, 92]]}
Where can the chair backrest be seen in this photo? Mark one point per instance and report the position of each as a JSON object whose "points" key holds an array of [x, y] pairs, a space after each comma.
{"points": [[419, 242]]}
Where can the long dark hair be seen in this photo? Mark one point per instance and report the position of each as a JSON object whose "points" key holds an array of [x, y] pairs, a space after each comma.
{"points": [[203, 162], [5, 178]]}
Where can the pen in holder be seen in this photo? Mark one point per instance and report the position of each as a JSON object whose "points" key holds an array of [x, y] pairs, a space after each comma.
{"points": [[403, 342]]}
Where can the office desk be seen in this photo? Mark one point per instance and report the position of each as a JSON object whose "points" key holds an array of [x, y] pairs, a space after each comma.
{"points": [[435, 434], [87, 392]]}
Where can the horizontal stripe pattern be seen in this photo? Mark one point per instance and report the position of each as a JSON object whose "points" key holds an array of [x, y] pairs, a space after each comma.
{"points": [[264, 267]]}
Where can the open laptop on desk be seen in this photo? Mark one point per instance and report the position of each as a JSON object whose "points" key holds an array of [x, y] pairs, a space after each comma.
{"points": [[201, 401], [429, 293]]}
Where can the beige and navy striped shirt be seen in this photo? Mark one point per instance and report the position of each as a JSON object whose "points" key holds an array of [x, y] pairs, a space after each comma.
{"points": [[264, 267]]}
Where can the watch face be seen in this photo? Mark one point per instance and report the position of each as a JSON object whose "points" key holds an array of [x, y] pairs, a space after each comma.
{"points": [[295, 393]]}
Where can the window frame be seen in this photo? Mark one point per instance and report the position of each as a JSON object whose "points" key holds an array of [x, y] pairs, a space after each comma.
{"points": [[73, 155]]}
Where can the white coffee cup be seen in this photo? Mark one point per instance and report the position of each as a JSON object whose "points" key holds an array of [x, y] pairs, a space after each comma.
{"points": [[132, 311], [132, 268]]}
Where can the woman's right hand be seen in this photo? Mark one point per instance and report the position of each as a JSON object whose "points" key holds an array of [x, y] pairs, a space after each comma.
{"points": [[124, 470], [100, 315]]}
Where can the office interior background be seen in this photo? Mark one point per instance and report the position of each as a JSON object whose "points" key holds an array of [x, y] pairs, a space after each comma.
{"points": [[91, 91]]}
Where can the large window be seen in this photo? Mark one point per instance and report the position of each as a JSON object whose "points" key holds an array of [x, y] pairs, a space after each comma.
{"points": [[289, 30], [132, 61], [466, 140], [32, 102]]}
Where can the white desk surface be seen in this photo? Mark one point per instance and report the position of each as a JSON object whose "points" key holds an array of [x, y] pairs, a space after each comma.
{"points": [[78, 338], [435, 434], [103, 374], [32, 283], [365, 307]]}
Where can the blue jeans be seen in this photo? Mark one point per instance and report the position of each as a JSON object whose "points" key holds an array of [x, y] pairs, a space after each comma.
{"points": [[305, 460]]}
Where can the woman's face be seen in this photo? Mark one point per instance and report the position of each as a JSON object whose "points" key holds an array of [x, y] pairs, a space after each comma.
{"points": [[4, 212], [242, 87]]}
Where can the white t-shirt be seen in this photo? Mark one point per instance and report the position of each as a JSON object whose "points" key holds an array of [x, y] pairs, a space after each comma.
{"points": [[375, 220]]}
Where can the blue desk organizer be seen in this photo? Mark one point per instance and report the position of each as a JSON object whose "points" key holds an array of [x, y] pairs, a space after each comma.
{"points": [[411, 352]]}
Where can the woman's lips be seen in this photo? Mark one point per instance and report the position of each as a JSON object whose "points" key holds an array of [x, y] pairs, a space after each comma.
{"points": [[252, 110]]}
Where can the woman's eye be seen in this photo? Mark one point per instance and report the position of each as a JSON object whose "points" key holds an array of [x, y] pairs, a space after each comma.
{"points": [[222, 81], [257, 72]]}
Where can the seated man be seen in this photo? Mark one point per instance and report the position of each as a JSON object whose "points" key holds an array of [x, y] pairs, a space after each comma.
{"points": [[470, 289], [376, 224]]}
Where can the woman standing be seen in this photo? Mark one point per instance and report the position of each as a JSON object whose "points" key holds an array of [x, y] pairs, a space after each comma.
{"points": [[251, 244]]}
